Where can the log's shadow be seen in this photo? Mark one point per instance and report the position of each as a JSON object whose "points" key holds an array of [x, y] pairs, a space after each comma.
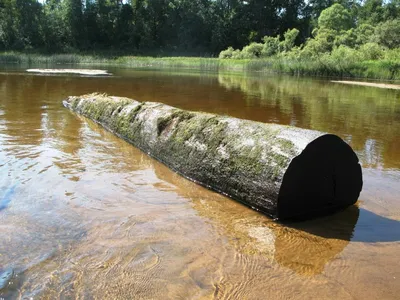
{"points": [[352, 224], [339, 226], [306, 247], [373, 228]]}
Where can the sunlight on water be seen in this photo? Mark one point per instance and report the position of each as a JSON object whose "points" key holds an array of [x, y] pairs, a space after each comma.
{"points": [[83, 214]]}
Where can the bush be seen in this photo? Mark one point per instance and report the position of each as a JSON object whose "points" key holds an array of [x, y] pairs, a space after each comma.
{"points": [[392, 54], [322, 43], [344, 54], [364, 33], [347, 38], [226, 53], [371, 51], [237, 54], [271, 46], [388, 34], [289, 39], [295, 54], [252, 51]]}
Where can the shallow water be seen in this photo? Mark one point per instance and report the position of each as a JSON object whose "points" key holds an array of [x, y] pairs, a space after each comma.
{"points": [[87, 215]]}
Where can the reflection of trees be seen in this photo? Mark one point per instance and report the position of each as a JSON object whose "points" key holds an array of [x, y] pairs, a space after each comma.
{"points": [[369, 118], [22, 118], [359, 114], [34, 116]]}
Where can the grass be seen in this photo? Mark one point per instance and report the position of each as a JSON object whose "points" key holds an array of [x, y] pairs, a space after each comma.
{"points": [[379, 69]]}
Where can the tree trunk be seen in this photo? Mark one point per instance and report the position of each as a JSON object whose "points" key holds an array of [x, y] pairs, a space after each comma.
{"points": [[283, 171]]}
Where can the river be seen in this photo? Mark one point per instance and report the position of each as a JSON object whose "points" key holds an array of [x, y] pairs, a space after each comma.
{"points": [[85, 215]]}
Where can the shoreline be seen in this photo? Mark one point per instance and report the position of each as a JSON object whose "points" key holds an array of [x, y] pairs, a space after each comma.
{"points": [[376, 70], [369, 84], [69, 71]]}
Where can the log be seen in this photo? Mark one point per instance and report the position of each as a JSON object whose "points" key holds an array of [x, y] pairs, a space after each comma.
{"points": [[282, 171]]}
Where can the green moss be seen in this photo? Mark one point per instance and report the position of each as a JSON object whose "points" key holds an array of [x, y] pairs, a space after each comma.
{"points": [[75, 102], [286, 146], [123, 124], [163, 122], [207, 129], [177, 114]]}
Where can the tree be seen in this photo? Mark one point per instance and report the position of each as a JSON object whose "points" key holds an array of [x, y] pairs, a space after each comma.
{"points": [[388, 34], [289, 38], [29, 19], [55, 33], [124, 27], [335, 18], [8, 25], [74, 20], [372, 12]]}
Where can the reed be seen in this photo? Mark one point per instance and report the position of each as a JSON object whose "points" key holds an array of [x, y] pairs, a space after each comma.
{"points": [[388, 68]]}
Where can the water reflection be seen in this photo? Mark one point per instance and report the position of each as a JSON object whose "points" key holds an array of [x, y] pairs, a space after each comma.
{"points": [[16, 93], [92, 216], [366, 117]]}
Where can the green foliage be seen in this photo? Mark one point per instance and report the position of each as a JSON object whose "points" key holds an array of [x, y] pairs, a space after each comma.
{"points": [[371, 51], [55, 34], [346, 38], [388, 34], [364, 34], [20, 22], [289, 39], [337, 48], [74, 19], [392, 54], [372, 11], [341, 30], [322, 43], [335, 18], [226, 53], [271, 46], [252, 51], [343, 55]]}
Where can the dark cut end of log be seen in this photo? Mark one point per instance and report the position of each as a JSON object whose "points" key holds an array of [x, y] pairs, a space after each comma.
{"points": [[324, 178]]}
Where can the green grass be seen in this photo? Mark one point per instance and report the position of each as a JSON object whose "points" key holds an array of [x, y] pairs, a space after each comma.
{"points": [[379, 69], [326, 66]]}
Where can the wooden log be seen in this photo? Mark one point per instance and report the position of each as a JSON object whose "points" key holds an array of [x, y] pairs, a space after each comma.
{"points": [[282, 171]]}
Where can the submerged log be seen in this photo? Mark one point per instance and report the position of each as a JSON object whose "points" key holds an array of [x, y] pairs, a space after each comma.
{"points": [[282, 171]]}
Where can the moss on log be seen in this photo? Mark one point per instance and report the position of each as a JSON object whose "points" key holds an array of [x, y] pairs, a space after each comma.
{"points": [[283, 171]]}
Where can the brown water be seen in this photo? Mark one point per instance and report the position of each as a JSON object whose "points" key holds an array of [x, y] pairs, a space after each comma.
{"points": [[85, 215]]}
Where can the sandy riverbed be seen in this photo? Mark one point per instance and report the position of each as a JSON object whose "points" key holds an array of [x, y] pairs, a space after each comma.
{"points": [[69, 71]]}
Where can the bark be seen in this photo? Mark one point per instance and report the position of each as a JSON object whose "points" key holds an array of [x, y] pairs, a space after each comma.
{"points": [[283, 171]]}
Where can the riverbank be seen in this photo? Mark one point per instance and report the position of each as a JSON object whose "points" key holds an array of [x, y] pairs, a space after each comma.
{"points": [[379, 69], [378, 85]]}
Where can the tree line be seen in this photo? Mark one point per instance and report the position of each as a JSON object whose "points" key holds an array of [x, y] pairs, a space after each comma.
{"points": [[337, 34], [190, 27]]}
